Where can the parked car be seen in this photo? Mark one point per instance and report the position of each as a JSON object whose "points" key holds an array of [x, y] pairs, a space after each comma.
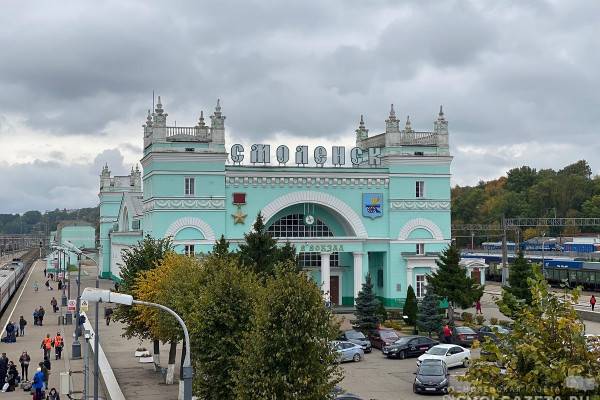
{"points": [[383, 337], [358, 338], [492, 332], [431, 377], [340, 394], [463, 335], [348, 351], [408, 346], [451, 354]]}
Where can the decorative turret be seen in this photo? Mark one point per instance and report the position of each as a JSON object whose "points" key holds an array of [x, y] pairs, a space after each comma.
{"points": [[203, 129], [160, 117], [105, 177], [440, 127], [392, 129], [361, 133], [217, 125], [408, 126]]}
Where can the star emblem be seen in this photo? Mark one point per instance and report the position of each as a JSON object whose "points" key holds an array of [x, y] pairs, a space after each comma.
{"points": [[239, 217]]}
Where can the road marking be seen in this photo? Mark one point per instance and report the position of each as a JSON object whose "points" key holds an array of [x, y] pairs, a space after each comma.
{"points": [[23, 287]]}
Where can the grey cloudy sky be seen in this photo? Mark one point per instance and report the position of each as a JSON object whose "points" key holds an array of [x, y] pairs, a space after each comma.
{"points": [[518, 80]]}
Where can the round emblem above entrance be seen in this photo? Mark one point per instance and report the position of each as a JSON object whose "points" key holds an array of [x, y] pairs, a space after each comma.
{"points": [[309, 220]]}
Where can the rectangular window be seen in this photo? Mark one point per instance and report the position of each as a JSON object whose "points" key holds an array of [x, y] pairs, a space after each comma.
{"points": [[135, 225], [189, 186], [420, 286], [420, 248], [420, 189], [189, 250]]}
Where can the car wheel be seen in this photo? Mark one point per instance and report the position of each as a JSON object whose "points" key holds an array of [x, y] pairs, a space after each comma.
{"points": [[356, 357], [466, 363], [402, 355]]}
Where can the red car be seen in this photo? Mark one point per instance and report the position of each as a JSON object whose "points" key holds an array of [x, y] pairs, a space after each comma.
{"points": [[383, 337]]}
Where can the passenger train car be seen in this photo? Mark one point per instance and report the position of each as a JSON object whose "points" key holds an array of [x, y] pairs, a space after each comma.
{"points": [[11, 276]]}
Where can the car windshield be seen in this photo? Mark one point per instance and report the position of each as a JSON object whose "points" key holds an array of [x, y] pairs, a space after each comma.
{"points": [[437, 351], [388, 335], [499, 328], [402, 340], [431, 370], [355, 335], [464, 329]]}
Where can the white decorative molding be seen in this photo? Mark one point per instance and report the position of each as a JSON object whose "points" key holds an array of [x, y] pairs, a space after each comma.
{"points": [[344, 210], [419, 205], [422, 223], [185, 204], [307, 181], [191, 222]]}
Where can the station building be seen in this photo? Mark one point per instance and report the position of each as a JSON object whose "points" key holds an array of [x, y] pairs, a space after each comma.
{"points": [[381, 208]]}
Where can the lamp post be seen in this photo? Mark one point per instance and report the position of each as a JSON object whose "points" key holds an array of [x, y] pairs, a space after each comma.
{"points": [[106, 296]]}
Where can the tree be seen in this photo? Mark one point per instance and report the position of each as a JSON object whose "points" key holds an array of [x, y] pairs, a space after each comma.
{"points": [[286, 354], [429, 317], [545, 354], [410, 307], [221, 248], [451, 281], [519, 277], [366, 308]]}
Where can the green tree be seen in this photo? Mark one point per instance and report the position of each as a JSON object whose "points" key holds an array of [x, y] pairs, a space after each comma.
{"points": [[429, 317], [520, 179], [451, 281], [519, 292], [221, 248], [544, 354], [410, 307], [367, 319], [286, 354]]}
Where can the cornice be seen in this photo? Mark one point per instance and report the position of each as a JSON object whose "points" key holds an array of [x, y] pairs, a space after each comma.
{"points": [[199, 203], [285, 180], [419, 205]]}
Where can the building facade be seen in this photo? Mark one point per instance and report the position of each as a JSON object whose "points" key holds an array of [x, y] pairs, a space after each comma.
{"points": [[381, 208]]}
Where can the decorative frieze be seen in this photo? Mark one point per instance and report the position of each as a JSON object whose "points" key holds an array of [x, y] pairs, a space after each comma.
{"points": [[420, 205], [306, 181], [185, 204]]}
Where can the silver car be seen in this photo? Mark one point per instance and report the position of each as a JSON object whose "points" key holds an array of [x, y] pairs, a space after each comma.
{"points": [[347, 351]]}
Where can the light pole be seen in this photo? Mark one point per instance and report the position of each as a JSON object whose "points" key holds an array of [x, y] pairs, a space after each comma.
{"points": [[80, 254], [106, 296]]}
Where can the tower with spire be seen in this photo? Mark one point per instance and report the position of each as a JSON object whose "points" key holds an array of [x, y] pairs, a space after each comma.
{"points": [[362, 133], [392, 129], [440, 128], [217, 125]]}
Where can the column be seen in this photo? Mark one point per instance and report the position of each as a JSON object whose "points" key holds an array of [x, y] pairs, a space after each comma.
{"points": [[358, 274], [409, 276], [325, 275]]}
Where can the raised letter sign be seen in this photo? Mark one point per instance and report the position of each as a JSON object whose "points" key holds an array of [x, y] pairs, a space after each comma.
{"points": [[260, 153], [374, 155], [320, 155], [338, 155], [237, 153], [283, 154], [302, 155], [356, 156]]}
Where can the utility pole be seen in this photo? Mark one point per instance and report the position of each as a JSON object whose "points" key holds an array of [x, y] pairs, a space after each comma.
{"points": [[504, 254]]}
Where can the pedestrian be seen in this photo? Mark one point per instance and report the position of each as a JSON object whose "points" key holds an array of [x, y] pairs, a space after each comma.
{"points": [[38, 384], [10, 333], [45, 272], [478, 307], [48, 286], [593, 302], [41, 314], [60, 284], [54, 304], [46, 345], [3, 369], [35, 286], [12, 377], [58, 343], [116, 286], [108, 312], [24, 360], [53, 395], [45, 365], [447, 334], [36, 317], [22, 324]]}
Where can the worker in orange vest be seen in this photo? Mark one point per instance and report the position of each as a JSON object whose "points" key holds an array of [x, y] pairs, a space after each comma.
{"points": [[58, 345], [47, 345]]}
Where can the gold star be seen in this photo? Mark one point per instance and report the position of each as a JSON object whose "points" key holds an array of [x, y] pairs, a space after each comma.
{"points": [[239, 217]]}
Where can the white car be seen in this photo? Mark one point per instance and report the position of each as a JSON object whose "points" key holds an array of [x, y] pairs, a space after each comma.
{"points": [[451, 354]]}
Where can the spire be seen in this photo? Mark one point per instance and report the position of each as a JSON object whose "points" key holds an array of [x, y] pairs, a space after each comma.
{"points": [[137, 168], [217, 119], [159, 107], [201, 123], [160, 116], [392, 125], [408, 126], [361, 133], [441, 114], [361, 125], [218, 107], [149, 119], [392, 113]]}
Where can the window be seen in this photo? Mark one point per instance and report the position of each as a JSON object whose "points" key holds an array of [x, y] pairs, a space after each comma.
{"points": [[420, 189], [293, 226], [135, 225], [313, 259], [420, 285], [189, 250], [420, 248], [189, 186]]}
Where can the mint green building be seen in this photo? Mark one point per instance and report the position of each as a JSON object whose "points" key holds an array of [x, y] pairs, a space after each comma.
{"points": [[82, 234], [380, 208]]}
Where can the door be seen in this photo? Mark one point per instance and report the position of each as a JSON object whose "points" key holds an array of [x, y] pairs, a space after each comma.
{"points": [[476, 275], [334, 289]]}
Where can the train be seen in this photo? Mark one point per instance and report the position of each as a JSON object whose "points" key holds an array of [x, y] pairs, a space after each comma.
{"points": [[11, 276]]}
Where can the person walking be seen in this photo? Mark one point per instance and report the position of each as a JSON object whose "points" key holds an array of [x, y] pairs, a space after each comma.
{"points": [[45, 365], [3, 369], [593, 302], [478, 307], [58, 346], [54, 304], [10, 333], [53, 395], [108, 312], [45, 272], [41, 314], [46, 345], [60, 284], [12, 377], [48, 286], [447, 334], [22, 324], [24, 360], [38, 384], [36, 316], [36, 286]]}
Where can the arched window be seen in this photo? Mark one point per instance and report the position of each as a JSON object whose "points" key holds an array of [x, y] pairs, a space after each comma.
{"points": [[293, 226]]}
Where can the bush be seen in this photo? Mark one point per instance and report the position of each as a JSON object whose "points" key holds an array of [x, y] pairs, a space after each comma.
{"points": [[467, 317], [381, 312], [480, 319], [394, 325], [505, 323], [493, 321], [394, 315]]}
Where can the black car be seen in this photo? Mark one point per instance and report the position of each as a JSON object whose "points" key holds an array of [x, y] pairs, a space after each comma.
{"points": [[492, 332], [408, 346], [431, 377], [358, 338]]}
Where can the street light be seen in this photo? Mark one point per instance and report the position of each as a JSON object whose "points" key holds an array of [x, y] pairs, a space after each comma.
{"points": [[106, 296]]}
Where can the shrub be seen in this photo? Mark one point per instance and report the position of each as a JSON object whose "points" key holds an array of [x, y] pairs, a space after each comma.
{"points": [[467, 317], [494, 321], [393, 324], [505, 323], [381, 312], [394, 315], [480, 319]]}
